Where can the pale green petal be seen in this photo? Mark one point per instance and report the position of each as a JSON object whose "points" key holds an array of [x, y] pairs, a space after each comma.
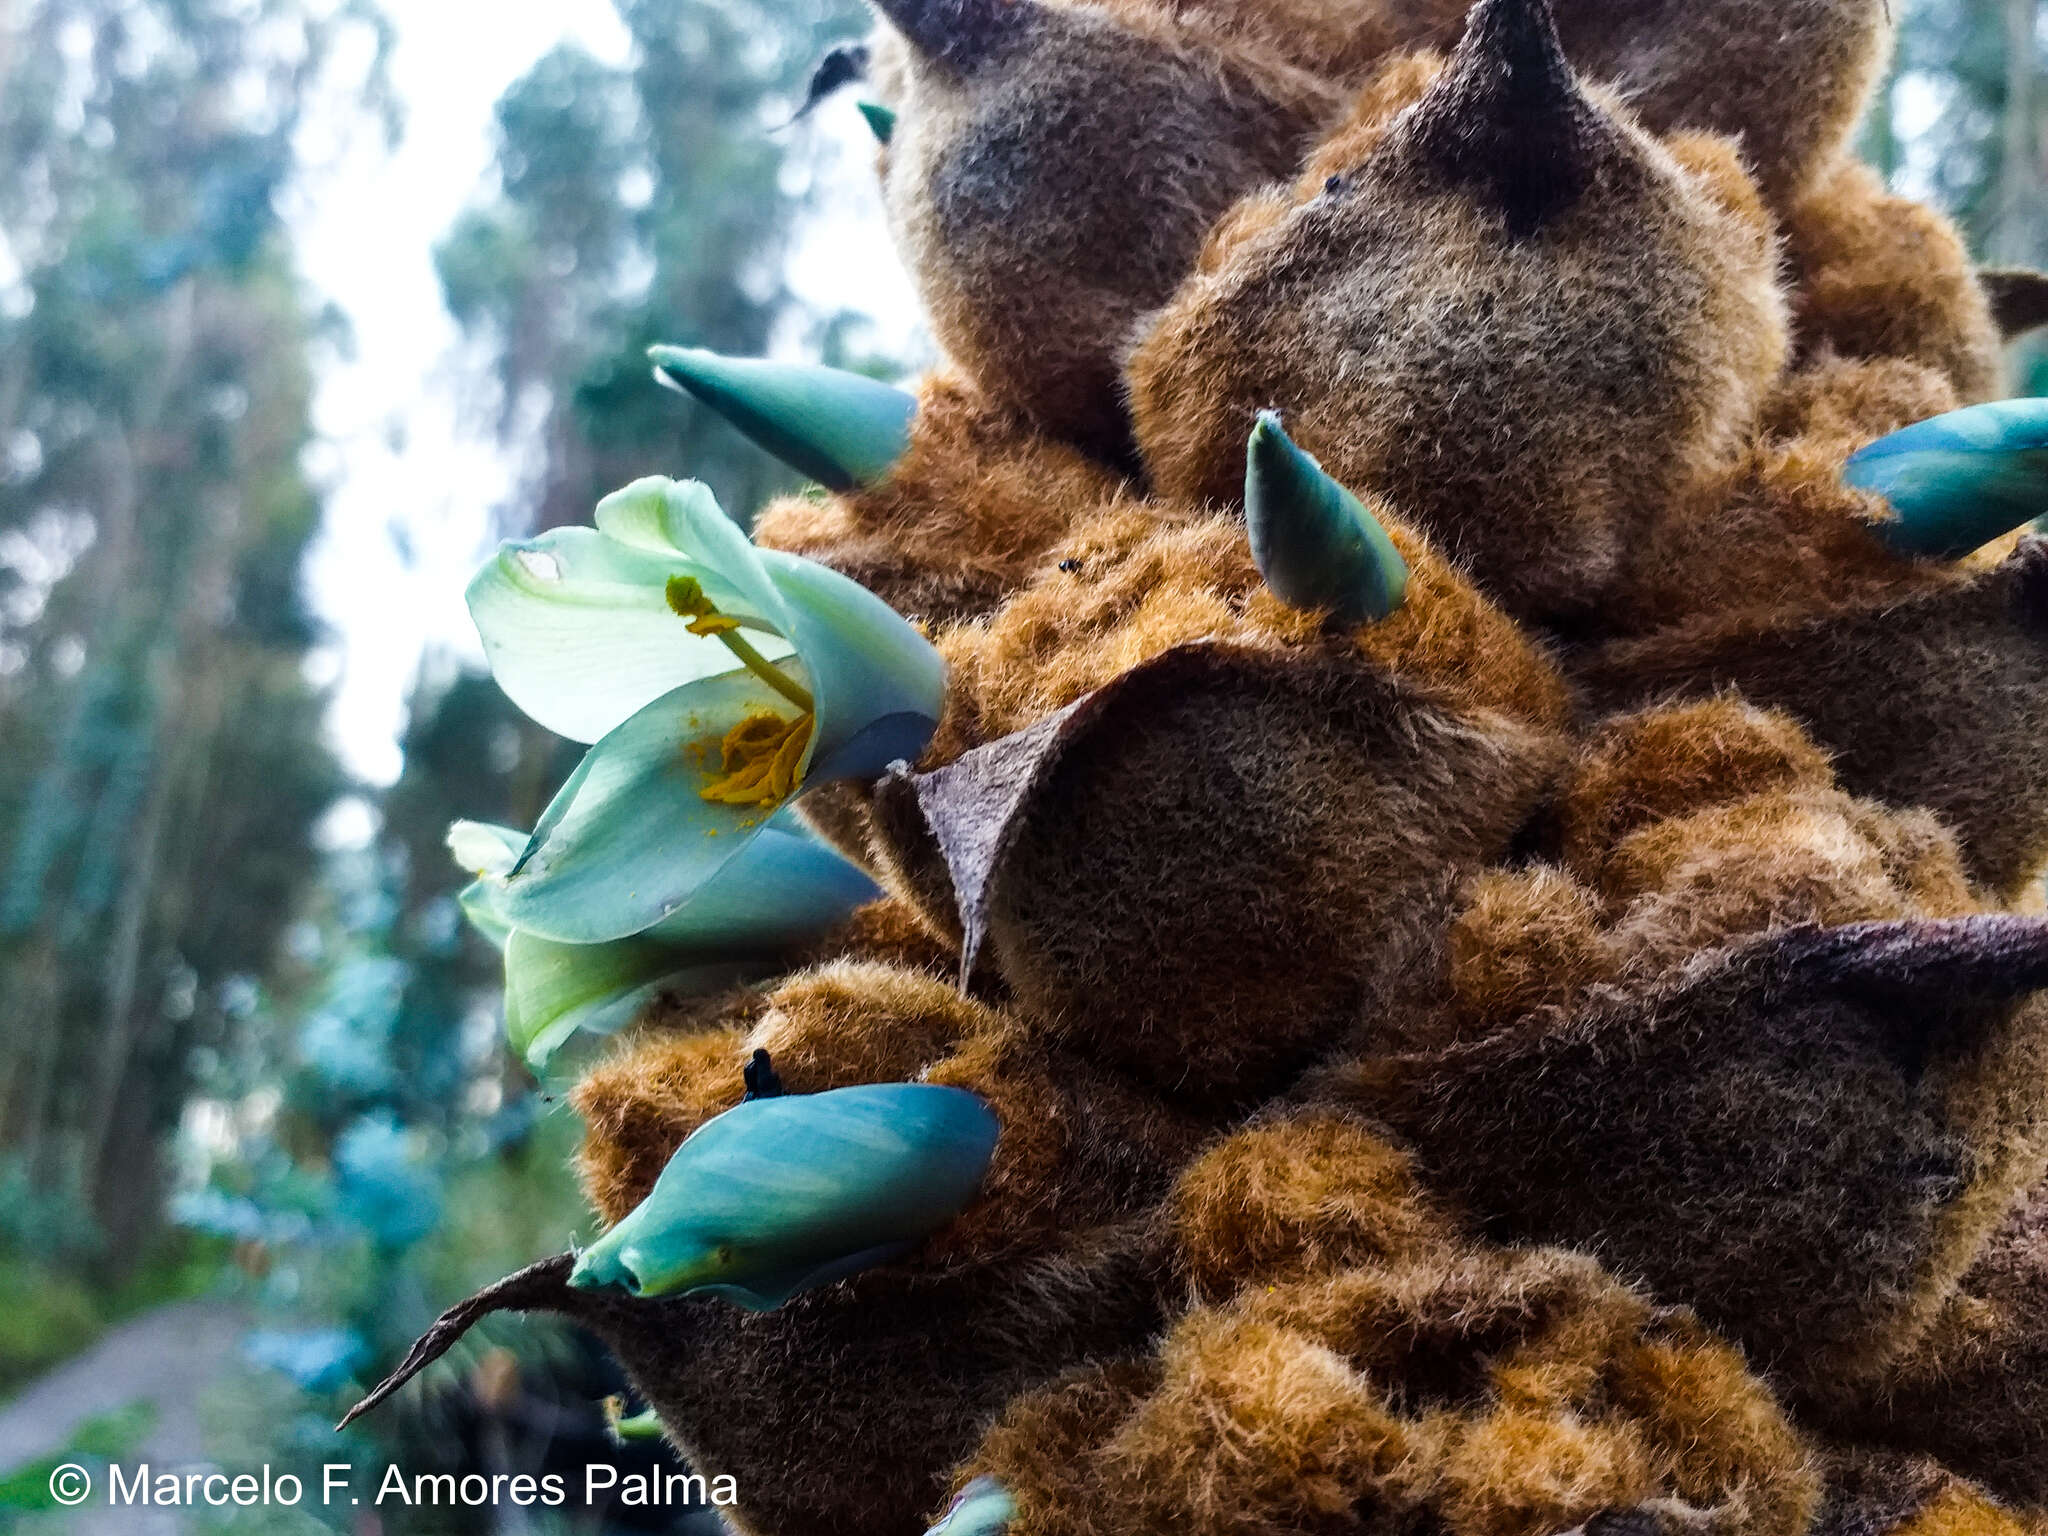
{"points": [[484, 849], [783, 888], [479, 904], [579, 634], [879, 684], [778, 1195], [681, 520], [554, 990], [630, 838]]}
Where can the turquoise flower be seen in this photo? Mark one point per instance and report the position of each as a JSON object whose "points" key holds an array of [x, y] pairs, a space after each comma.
{"points": [[716, 682]]}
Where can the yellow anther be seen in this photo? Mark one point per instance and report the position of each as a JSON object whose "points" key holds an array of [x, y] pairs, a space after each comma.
{"points": [[686, 599], [760, 757]]}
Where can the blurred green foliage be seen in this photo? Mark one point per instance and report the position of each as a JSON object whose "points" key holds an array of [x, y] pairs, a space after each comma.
{"points": [[161, 760], [645, 203]]}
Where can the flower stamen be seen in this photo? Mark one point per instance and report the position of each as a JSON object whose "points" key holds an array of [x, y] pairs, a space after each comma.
{"points": [[759, 759], [687, 600]]}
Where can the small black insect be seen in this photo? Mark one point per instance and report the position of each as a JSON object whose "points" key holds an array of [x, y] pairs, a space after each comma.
{"points": [[1070, 566], [759, 1076]]}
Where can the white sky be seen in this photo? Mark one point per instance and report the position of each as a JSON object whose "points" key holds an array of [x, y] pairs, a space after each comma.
{"points": [[411, 474]]}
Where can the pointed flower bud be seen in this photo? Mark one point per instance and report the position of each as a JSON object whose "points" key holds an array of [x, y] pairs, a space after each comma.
{"points": [[1316, 544], [843, 430], [778, 1195], [1956, 482], [881, 120]]}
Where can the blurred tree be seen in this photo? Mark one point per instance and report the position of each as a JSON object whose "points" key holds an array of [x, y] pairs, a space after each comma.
{"points": [[161, 759], [1960, 119], [651, 202]]}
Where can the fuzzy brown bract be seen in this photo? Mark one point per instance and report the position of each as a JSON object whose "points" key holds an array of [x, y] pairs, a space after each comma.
{"points": [[1808, 1136], [1974, 1391], [1156, 787], [1052, 173], [1936, 698], [1466, 1389], [961, 520], [1507, 309]]}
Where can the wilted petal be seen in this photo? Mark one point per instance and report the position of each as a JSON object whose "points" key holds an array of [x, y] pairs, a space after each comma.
{"points": [[778, 1195], [578, 630]]}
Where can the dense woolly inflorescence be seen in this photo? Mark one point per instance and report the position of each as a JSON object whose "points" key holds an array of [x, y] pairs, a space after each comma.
{"points": [[1552, 1047]]}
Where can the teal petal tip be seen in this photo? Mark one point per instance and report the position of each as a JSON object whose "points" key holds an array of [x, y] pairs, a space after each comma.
{"points": [[1956, 482], [881, 120], [984, 1508], [779, 1195], [843, 430], [1316, 543]]}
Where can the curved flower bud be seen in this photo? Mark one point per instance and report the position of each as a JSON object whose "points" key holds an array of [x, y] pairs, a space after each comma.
{"points": [[984, 1508], [1957, 481], [781, 1194], [881, 120], [1316, 544], [674, 791], [843, 430]]}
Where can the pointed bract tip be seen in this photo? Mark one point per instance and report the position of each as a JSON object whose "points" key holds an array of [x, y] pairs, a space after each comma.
{"points": [[960, 34], [1507, 116], [1956, 482], [1317, 545], [983, 1508], [843, 430], [881, 120]]}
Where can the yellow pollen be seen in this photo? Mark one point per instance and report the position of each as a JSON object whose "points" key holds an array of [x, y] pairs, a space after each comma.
{"points": [[759, 758]]}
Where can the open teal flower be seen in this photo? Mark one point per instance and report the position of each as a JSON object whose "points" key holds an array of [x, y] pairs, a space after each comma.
{"points": [[780, 889], [717, 681]]}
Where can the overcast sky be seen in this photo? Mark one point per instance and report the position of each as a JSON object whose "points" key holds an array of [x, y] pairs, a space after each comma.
{"points": [[410, 483]]}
